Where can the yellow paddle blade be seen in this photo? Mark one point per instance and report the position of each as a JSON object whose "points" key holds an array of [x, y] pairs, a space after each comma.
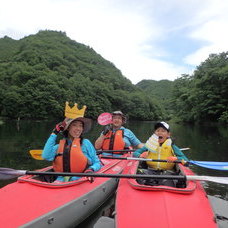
{"points": [[36, 154]]}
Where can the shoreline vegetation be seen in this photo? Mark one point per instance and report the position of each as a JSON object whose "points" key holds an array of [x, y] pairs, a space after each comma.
{"points": [[40, 72]]}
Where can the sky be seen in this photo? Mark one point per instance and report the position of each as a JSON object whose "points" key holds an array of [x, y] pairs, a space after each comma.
{"points": [[144, 39]]}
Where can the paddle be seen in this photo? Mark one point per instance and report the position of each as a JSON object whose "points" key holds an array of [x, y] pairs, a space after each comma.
{"points": [[184, 149], [206, 164], [37, 154], [7, 173], [114, 151]]}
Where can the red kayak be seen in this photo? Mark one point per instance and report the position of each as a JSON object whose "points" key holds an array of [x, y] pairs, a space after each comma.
{"points": [[32, 202], [140, 205]]}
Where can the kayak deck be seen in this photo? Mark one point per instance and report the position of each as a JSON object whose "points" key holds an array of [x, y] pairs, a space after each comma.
{"points": [[30, 202], [162, 206]]}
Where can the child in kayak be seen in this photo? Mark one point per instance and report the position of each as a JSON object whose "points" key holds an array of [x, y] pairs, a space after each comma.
{"points": [[160, 146], [73, 153], [117, 137]]}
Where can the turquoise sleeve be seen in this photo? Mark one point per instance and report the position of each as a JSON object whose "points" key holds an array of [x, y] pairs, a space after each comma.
{"points": [[130, 138], [89, 150], [50, 148], [138, 152], [180, 155]]}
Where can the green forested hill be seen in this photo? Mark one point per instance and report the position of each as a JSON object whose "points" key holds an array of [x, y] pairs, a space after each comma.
{"points": [[8, 48], [200, 97], [40, 72], [159, 89], [160, 92], [203, 96]]}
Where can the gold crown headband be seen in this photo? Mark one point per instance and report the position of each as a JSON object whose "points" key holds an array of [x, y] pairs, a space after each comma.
{"points": [[74, 112]]}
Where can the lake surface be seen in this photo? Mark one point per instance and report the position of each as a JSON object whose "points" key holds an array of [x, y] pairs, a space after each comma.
{"points": [[208, 142]]}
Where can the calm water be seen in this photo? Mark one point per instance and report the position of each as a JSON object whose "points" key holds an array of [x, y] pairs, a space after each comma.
{"points": [[208, 142]]}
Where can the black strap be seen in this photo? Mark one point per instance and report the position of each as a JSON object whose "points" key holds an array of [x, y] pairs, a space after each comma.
{"points": [[112, 139], [111, 143], [66, 157]]}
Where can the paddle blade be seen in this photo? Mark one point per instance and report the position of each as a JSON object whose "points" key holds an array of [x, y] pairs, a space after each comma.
{"points": [[211, 165], [104, 118], [220, 180], [184, 149], [7, 173], [36, 154]]}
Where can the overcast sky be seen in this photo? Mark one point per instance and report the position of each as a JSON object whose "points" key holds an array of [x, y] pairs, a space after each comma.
{"points": [[145, 39]]}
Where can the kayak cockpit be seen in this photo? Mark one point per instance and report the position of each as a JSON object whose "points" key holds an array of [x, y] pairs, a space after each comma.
{"points": [[172, 185], [48, 180]]}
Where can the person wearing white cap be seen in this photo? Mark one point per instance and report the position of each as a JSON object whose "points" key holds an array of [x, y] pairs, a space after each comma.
{"points": [[160, 146], [117, 137], [73, 153]]}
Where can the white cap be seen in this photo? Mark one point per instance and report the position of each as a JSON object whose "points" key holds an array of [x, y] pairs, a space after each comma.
{"points": [[163, 125]]}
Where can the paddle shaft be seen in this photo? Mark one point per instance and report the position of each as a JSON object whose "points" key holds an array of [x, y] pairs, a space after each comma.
{"points": [[140, 159], [115, 151], [221, 180], [106, 151], [7, 173], [126, 151], [104, 175], [36, 154]]}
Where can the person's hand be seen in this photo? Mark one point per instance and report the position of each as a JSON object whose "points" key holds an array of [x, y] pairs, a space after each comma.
{"points": [[90, 179], [106, 129], [185, 163], [144, 155], [171, 159], [59, 127]]}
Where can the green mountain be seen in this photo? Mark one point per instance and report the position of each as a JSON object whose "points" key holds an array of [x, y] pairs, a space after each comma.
{"points": [[8, 48], [40, 72], [160, 92]]}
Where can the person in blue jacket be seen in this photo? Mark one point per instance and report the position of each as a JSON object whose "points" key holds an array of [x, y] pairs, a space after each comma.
{"points": [[116, 137], [73, 153]]}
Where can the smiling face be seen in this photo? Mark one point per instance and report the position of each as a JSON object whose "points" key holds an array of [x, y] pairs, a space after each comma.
{"points": [[117, 121], [75, 129], [162, 134]]}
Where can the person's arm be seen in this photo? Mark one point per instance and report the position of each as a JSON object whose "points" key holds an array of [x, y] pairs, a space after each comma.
{"points": [[138, 152], [134, 141], [99, 142], [140, 145], [50, 148], [90, 152], [180, 155]]}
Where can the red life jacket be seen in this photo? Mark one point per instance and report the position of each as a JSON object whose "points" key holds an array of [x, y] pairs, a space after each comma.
{"points": [[70, 158], [114, 140]]}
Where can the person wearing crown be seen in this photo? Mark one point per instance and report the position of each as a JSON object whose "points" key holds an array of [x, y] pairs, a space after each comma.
{"points": [[117, 137], [73, 153], [160, 147]]}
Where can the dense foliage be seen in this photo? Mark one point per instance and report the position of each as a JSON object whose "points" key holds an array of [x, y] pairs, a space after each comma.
{"points": [[160, 92], [40, 72], [204, 95]]}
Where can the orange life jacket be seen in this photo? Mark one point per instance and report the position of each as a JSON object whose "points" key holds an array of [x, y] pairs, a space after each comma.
{"points": [[114, 140], [70, 158]]}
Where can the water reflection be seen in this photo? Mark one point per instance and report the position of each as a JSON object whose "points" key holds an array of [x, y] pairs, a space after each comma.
{"points": [[207, 142]]}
